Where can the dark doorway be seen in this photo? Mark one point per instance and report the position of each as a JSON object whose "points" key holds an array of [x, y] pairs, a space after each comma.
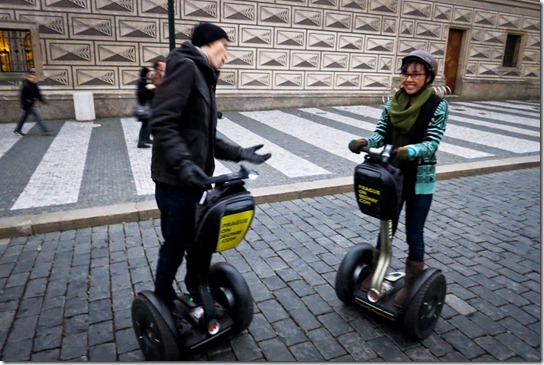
{"points": [[453, 55]]}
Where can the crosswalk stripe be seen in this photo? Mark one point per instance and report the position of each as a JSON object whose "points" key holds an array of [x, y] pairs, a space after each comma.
{"points": [[503, 127], [57, 179], [8, 138], [471, 112], [326, 138], [284, 161], [140, 158], [444, 146], [507, 106], [470, 135]]}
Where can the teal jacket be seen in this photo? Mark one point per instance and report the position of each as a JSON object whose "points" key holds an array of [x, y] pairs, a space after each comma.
{"points": [[425, 151]]}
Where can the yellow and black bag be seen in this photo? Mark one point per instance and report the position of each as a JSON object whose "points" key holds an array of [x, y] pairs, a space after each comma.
{"points": [[378, 188], [224, 217]]}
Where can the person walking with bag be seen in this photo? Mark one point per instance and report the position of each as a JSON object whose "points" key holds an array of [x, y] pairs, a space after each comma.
{"points": [[185, 144], [414, 121], [30, 92], [145, 93]]}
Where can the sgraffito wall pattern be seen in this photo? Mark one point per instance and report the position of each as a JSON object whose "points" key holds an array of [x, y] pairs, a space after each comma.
{"points": [[332, 47]]}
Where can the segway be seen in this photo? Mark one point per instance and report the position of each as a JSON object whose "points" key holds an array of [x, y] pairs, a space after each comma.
{"points": [[224, 305], [378, 190]]}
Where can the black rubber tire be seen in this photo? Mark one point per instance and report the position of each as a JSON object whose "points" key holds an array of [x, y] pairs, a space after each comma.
{"points": [[155, 339], [353, 269], [230, 289], [425, 308]]}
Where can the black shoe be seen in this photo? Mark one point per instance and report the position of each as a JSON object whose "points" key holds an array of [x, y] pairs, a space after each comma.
{"points": [[19, 133], [148, 141], [143, 145]]}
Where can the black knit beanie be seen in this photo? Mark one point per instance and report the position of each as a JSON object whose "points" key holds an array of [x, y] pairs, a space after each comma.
{"points": [[206, 33]]}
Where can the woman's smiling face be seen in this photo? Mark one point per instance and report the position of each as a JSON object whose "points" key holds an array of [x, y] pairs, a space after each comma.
{"points": [[414, 78]]}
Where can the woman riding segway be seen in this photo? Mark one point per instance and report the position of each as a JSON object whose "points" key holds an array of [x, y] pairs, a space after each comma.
{"points": [[415, 121]]}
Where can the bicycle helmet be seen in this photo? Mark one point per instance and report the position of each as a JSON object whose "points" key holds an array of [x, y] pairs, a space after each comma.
{"points": [[426, 58]]}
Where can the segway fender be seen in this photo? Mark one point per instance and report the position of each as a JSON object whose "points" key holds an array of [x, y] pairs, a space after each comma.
{"points": [[418, 283], [163, 310]]}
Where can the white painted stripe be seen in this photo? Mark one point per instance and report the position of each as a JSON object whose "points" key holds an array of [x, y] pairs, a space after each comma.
{"points": [[341, 118], [506, 143], [502, 127], [282, 160], [364, 111], [478, 113], [508, 106], [7, 138], [220, 169], [317, 135], [376, 113], [140, 159], [57, 179], [489, 139]]}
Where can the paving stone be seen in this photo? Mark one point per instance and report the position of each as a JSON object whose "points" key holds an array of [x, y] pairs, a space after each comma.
{"points": [[306, 352], [495, 348], [357, 348], [274, 350], [245, 348], [260, 329], [74, 346], [462, 343], [288, 333], [325, 343], [387, 350], [272, 310], [46, 356], [106, 352]]}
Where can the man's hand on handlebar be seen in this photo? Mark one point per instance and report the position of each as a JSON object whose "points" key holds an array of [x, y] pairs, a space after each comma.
{"points": [[248, 154], [193, 176], [356, 145]]}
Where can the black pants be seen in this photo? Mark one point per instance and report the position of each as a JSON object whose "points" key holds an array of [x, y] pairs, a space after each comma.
{"points": [[177, 209], [143, 136]]}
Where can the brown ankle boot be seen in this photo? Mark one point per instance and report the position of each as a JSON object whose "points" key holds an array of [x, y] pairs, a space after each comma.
{"points": [[413, 269], [365, 285]]}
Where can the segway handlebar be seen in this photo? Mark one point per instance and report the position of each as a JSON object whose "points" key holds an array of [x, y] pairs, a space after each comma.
{"points": [[244, 173], [384, 153]]}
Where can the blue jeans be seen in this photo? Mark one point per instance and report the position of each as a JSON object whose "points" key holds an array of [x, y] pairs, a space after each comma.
{"points": [[177, 209], [34, 112], [417, 209]]}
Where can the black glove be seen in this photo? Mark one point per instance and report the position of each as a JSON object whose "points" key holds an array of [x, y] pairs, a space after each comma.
{"points": [[248, 154], [192, 176], [356, 144]]}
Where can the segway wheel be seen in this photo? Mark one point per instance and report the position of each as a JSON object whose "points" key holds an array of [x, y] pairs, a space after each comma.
{"points": [[424, 309], [155, 339], [231, 291], [353, 269]]}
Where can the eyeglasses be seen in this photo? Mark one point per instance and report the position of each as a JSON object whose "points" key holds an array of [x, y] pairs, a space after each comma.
{"points": [[415, 76]]}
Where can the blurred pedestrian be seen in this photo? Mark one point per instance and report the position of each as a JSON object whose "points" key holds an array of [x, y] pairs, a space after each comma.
{"points": [[145, 93], [30, 92], [185, 145], [414, 121], [160, 67]]}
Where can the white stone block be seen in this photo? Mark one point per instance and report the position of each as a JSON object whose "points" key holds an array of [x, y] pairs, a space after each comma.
{"points": [[84, 106]]}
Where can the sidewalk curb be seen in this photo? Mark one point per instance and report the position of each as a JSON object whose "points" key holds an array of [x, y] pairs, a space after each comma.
{"points": [[132, 212]]}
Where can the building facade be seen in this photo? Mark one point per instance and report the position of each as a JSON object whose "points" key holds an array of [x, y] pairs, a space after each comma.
{"points": [[284, 53]]}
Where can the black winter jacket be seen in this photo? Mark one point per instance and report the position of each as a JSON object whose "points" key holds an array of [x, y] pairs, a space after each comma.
{"points": [[30, 92], [184, 118]]}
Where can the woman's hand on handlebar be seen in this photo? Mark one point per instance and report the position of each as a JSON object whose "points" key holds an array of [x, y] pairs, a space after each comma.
{"points": [[405, 153], [356, 145]]}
